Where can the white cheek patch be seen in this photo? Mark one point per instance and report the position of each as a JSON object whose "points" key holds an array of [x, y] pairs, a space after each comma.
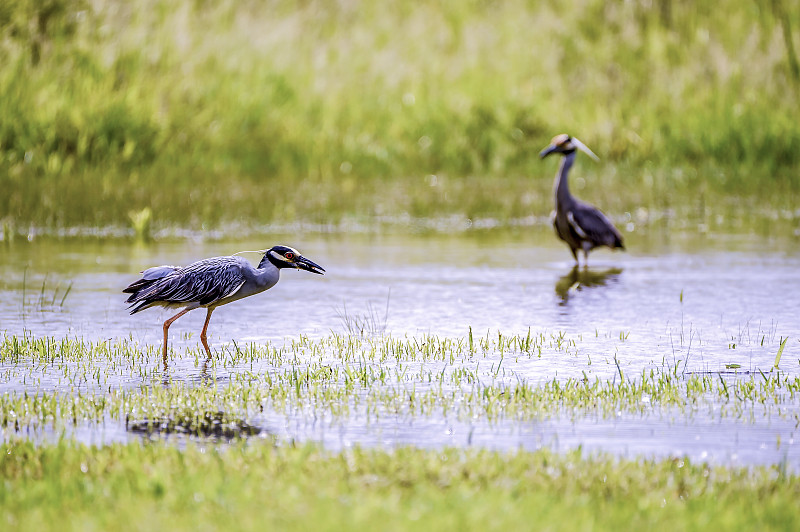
{"points": [[279, 256]]}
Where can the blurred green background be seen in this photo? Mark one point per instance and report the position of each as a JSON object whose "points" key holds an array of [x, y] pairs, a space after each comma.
{"points": [[214, 112]]}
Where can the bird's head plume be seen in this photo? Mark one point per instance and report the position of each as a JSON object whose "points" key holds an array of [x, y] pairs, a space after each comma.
{"points": [[565, 144]]}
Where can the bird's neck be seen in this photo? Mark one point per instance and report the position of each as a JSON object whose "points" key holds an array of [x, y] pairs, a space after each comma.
{"points": [[269, 263], [560, 185], [267, 274]]}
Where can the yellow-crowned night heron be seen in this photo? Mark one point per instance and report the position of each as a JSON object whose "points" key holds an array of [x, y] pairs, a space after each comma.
{"points": [[209, 283], [580, 225]]}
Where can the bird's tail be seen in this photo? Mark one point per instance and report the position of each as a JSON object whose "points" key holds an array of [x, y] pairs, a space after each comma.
{"points": [[149, 277], [136, 287]]}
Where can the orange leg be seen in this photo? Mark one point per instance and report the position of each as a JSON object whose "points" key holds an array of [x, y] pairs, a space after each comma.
{"points": [[166, 329], [203, 334]]}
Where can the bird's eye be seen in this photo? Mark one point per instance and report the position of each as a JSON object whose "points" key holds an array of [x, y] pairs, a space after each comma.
{"points": [[289, 255]]}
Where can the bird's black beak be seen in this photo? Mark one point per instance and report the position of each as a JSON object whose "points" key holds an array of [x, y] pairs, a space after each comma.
{"points": [[547, 151], [302, 263]]}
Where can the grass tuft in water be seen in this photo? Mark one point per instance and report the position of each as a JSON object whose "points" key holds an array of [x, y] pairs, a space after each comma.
{"points": [[142, 221], [54, 385], [371, 323], [780, 353]]}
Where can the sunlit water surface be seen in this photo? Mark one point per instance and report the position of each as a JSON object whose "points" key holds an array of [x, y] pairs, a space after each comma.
{"points": [[705, 303]]}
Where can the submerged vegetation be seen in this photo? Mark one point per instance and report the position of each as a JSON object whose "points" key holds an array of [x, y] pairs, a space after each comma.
{"points": [[208, 112], [352, 377], [205, 440], [232, 458]]}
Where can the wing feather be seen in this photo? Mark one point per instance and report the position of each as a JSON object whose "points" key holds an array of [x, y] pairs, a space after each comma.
{"points": [[589, 223], [575, 225], [204, 282]]}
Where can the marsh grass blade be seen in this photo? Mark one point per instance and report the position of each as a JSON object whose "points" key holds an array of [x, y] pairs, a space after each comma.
{"points": [[780, 353]]}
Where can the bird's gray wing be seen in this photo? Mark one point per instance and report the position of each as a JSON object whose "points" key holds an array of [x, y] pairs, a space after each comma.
{"points": [[591, 224], [204, 282]]}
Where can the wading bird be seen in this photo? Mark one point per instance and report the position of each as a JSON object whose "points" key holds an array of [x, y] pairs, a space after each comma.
{"points": [[209, 283], [580, 225]]}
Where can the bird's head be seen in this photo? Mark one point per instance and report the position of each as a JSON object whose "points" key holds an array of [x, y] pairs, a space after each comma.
{"points": [[286, 257], [565, 144]]}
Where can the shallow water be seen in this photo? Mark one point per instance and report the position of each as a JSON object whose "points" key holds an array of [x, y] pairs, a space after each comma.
{"points": [[699, 302]]}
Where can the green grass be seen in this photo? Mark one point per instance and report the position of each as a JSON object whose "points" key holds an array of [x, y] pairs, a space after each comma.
{"points": [[206, 477], [219, 111], [258, 486], [55, 385]]}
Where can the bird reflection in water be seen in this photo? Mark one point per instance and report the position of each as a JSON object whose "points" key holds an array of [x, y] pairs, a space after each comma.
{"points": [[579, 278]]}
